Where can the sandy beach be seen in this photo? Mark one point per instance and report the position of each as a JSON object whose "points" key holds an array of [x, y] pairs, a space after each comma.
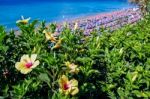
{"points": [[110, 20]]}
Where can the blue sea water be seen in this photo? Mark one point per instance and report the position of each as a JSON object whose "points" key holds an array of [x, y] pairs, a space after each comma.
{"points": [[58, 10]]}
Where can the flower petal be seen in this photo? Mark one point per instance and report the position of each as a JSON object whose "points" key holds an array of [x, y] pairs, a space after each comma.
{"points": [[33, 57], [44, 31], [25, 71], [28, 19], [67, 63], [25, 58], [66, 92], [19, 65], [74, 91], [76, 71], [18, 21], [72, 66], [25, 21], [36, 63], [48, 35], [73, 82], [63, 80]]}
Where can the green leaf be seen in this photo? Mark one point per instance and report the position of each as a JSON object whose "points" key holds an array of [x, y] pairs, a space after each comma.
{"points": [[44, 77], [1, 97]]}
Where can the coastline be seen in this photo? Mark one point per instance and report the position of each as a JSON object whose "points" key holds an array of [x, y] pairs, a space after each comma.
{"points": [[107, 20], [110, 20]]}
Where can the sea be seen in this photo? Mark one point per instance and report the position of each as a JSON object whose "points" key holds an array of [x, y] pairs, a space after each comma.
{"points": [[55, 10]]}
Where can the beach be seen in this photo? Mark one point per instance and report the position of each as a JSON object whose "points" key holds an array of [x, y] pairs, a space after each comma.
{"points": [[107, 21], [110, 20], [51, 11]]}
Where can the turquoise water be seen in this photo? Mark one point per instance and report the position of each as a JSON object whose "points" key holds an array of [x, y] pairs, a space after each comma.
{"points": [[55, 11]]}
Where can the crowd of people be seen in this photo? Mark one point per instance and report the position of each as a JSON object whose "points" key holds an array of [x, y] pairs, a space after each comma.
{"points": [[111, 20]]}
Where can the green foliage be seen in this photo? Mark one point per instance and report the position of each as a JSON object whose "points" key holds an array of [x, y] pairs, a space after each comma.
{"points": [[143, 5], [113, 65]]}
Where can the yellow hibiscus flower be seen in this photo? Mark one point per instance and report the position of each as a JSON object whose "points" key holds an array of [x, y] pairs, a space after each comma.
{"points": [[68, 87], [27, 63], [49, 36], [72, 67], [23, 21], [58, 44]]}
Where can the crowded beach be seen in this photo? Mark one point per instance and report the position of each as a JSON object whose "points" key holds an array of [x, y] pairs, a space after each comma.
{"points": [[110, 20]]}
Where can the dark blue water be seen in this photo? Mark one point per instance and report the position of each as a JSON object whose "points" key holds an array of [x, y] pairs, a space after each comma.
{"points": [[11, 10]]}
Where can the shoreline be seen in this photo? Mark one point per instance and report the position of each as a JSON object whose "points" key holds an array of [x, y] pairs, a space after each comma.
{"points": [[88, 16], [111, 20], [107, 20]]}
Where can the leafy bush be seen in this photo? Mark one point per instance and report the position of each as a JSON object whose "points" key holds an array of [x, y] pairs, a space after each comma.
{"points": [[34, 63]]}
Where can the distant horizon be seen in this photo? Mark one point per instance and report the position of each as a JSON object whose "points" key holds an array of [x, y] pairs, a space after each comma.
{"points": [[59, 0], [31, 1]]}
